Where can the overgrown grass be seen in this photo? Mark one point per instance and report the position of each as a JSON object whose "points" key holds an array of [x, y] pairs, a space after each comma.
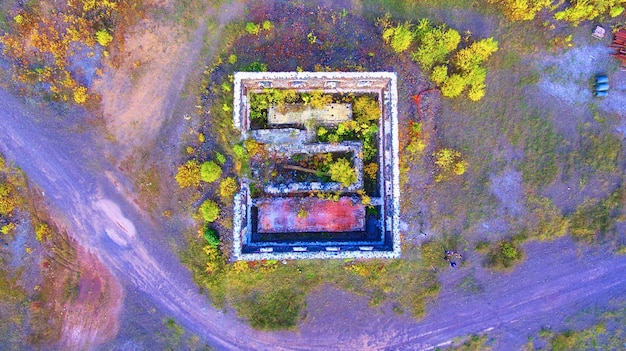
{"points": [[607, 333], [539, 167], [272, 295], [473, 343], [594, 219]]}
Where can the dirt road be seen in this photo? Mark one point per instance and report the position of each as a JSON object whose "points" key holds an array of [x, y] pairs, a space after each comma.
{"points": [[554, 283]]}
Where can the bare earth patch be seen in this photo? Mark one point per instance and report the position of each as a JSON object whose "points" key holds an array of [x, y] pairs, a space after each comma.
{"points": [[92, 318]]}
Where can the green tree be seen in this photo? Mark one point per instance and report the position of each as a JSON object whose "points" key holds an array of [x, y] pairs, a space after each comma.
{"points": [[439, 75], [341, 171], [188, 174], [399, 37], [209, 211], [211, 236], [435, 45], [210, 171]]}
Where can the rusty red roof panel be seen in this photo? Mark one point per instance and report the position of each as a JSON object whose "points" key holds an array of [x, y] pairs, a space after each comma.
{"points": [[280, 215]]}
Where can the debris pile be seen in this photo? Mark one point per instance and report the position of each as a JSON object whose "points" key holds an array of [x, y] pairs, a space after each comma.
{"points": [[619, 44]]}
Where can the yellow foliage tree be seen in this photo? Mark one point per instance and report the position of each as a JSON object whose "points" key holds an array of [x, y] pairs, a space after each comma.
{"points": [[188, 174]]}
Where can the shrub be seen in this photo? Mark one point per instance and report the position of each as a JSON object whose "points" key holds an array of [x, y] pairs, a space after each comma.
{"points": [[8, 228], [371, 170], [220, 158], [42, 232], [188, 174], [365, 109], [342, 171], [228, 188], [7, 200], [449, 162], [103, 37], [504, 255], [209, 211], [550, 224], [268, 25], [80, 95], [253, 28], [210, 171], [252, 146], [399, 37], [232, 59]]}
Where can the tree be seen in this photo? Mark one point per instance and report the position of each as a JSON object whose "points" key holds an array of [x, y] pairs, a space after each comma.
{"points": [[228, 187], [473, 56], [188, 174], [453, 86], [209, 211], [399, 37], [210, 171], [211, 236], [435, 45], [587, 10], [439, 75], [341, 171]]}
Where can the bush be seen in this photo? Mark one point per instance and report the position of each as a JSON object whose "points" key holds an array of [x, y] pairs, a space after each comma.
{"points": [[103, 37], [7, 200], [449, 162], [188, 174], [341, 171], [504, 255], [42, 232], [587, 10], [209, 211], [210, 171], [365, 109], [220, 158], [253, 28]]}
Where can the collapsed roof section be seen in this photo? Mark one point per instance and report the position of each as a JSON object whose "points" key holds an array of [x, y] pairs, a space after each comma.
{"points": [[287, 211]]}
